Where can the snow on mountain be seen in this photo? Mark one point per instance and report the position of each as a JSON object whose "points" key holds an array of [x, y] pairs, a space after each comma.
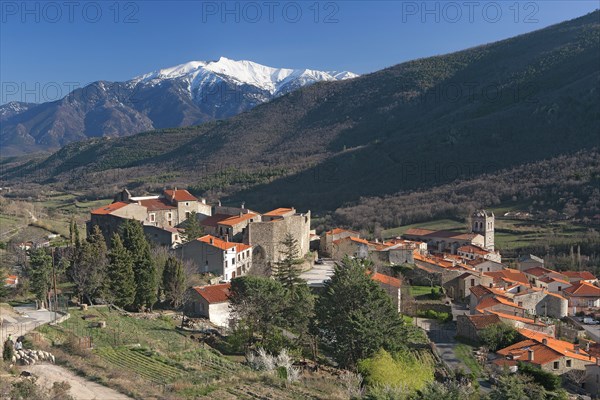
{"points": [[243, 72]]}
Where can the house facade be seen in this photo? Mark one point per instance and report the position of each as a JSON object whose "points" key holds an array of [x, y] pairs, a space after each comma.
{"points": [[211, 302], [211, 254]]}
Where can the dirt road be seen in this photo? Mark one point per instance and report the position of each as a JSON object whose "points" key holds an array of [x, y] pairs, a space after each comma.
{"points": [[81, 388]]}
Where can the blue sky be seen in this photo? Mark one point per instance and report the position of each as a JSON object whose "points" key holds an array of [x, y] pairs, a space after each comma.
{"points": [[47, 45]]}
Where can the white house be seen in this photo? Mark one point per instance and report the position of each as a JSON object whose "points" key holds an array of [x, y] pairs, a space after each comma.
{"points": [[210, 301], [217, 256]]}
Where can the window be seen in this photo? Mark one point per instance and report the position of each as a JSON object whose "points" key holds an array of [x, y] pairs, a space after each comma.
{"points": [[169, 216], [568, 363], [520, 304], [559, 288], [187, 214], [187, 204], [555, 366], [152, 217], [472, 282]]}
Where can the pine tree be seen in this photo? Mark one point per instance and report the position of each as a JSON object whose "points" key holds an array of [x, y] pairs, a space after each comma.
{"points": [[174, 281], [356, 315], [120, 282], [193, 229], [288, 269], [146, 283]]}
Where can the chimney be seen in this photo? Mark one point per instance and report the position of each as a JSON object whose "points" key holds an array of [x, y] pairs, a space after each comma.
{"points": [[211, 240], [544, 341], [219, 203], [243, 205], [587, 346], [241, 213], [530, 355], [226, 237], [203, 201]]}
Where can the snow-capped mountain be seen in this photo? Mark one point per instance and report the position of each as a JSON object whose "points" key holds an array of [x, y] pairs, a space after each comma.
{"points": [[183, 95]]}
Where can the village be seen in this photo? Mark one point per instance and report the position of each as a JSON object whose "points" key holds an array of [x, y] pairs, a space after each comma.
{"points": [[453, 285]]}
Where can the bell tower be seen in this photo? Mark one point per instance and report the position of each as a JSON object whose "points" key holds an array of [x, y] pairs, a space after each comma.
{"points": [[483, 223]]}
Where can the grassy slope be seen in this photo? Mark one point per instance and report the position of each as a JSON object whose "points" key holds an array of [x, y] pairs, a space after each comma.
{"points": [[168, 362]]}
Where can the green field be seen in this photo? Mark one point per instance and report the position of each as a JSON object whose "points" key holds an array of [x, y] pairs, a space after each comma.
{"points": [[416, 291], [510, 233]]}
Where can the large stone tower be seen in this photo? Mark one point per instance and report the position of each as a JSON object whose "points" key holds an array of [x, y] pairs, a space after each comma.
{"points": [[483, 223]]}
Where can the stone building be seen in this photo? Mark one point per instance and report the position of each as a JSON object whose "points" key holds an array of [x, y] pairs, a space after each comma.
{"points": [[529, 261], [548, 353], [444, 241], [167, 236], [327, 239], [482, 222], [266, 236], [211, 254], [211, 301], [391, 286], [169, 209], [592, 379]]}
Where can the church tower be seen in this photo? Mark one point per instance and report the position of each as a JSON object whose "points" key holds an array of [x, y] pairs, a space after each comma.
{"points": [[483, 223]]}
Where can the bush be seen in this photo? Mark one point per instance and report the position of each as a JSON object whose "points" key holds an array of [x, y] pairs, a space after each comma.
{"points": [[439, 315], [403, 370], [547, 379], [8, 351]]}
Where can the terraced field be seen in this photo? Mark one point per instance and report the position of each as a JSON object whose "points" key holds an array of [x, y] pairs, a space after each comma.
{"points": [[149, 367]]}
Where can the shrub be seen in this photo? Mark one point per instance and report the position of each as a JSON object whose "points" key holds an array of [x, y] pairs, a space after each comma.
{"points": [[547, 379], [8, 351], [402, 370]]}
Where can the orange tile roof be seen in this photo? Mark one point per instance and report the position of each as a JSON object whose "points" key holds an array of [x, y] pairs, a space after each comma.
{"points": [[239, 247], [11, 279], [583, 289], [222, 244], [386, 279], [214, 293], [157, 204], [278, 212], [236, 219], [180, 195], [214, 219], [494, 301], [583, 275], [520, 351], [509, 275], [109, 208], [560, 346]]}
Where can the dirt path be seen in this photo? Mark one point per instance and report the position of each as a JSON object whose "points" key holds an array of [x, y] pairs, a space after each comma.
{"points": [[81, 388]]}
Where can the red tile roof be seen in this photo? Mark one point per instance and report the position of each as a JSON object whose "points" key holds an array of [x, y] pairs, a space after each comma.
{"points": [[180, 195], [236, 219], [583, 289], [11, 280], [509, 275], [214, 293], [582, 275], [336, 231], [560, 346], [479, 291], [484, 320], [109, 208], [520, 351], [387, 280], [222, 244], [214, 220], [157, 204], [494, 301], [278, 212]]}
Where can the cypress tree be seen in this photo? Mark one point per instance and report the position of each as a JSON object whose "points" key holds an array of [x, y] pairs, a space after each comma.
{"points": [[40, 273], [146, 283], [174, 281], [120, 287]]}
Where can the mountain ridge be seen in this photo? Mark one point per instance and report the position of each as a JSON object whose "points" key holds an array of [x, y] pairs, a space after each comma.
{"points": [[186, 94]]}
